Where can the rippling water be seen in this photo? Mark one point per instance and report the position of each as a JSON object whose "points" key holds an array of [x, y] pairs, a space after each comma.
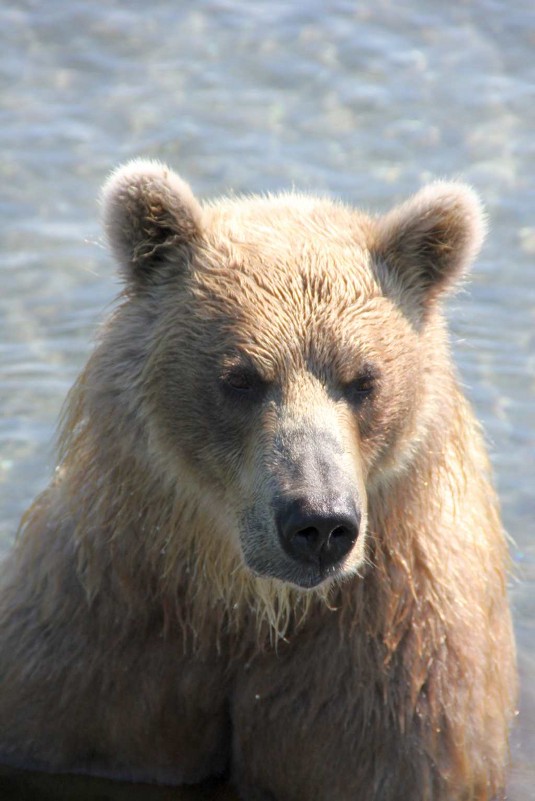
{"points": [[364, 100]]}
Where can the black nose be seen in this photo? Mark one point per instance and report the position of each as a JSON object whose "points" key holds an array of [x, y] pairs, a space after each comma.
{"points": [[316, 533]]}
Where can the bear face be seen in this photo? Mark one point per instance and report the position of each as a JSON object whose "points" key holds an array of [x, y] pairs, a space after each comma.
{"points": [[266, 365]]}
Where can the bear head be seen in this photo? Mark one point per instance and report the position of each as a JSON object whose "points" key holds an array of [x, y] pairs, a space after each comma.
{"points": [[287, 355]]}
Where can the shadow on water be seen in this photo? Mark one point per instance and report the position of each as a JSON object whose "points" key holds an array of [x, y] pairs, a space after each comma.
{"points": [[18, 785]]}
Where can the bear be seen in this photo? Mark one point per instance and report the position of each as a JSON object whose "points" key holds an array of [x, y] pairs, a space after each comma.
{"points": [[271, 550]]}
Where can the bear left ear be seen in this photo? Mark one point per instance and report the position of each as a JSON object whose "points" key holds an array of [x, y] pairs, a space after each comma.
{"points": [[151, 219], [429, 241]]}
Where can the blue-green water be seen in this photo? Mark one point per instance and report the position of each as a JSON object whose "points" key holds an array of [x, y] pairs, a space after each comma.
{"points": [[364, 100]]}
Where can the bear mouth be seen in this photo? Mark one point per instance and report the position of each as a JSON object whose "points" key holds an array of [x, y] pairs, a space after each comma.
{"points": [[294, 573], [309, 581]]}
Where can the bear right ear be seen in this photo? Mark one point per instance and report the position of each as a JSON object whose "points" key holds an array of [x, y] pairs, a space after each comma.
{"points": [[151, 219]]}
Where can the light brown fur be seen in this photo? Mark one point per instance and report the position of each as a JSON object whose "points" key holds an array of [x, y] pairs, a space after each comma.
{"points": [[137, 637]]}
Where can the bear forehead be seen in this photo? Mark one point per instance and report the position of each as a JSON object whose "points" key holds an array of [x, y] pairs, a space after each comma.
{"points": [[286, 219], [300, 248], [289, 279]]}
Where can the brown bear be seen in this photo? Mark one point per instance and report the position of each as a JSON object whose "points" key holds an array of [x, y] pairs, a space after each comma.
{"points": [[271, 549]]}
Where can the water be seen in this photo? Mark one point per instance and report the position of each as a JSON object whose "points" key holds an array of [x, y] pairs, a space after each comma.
{"points": [[365, 101]]}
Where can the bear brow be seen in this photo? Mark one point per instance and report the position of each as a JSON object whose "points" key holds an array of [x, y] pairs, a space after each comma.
{"points": [[249, 360]]}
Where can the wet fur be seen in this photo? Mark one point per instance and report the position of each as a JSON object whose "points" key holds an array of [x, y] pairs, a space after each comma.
{"points": [[135, 642]]}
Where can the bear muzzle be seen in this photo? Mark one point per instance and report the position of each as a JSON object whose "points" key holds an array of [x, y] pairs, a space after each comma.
{"points": [[306, 524]]}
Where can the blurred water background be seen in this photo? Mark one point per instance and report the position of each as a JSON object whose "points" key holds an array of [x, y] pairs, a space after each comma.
{"points": [[362, 100]]}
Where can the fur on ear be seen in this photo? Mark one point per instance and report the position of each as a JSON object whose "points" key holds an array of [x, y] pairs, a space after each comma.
{"points": [[151, 219], [429, 241]]}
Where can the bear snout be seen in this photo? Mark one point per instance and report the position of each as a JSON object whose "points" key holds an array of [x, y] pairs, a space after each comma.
{"points": [[317, 533]]}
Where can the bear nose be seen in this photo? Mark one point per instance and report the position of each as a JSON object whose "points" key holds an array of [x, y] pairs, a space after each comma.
{"points": [[317, 535]]}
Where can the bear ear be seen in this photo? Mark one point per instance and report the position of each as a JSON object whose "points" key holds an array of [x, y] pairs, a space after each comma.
{"points": [[429, 241], [152, 221]]}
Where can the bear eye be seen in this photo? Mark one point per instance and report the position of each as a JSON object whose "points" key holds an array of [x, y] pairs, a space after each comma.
{"points": [[242, 381], [360, 388]]}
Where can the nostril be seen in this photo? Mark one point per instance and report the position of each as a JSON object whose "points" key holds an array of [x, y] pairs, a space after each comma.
{"points": [[309, 534], [306, 541], [339, 531], [338, 544]]}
